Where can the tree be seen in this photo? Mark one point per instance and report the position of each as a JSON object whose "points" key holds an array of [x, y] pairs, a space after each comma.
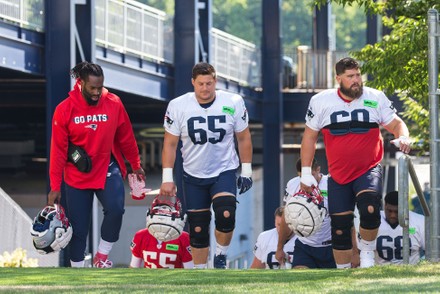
{"points": [[398, 63]]}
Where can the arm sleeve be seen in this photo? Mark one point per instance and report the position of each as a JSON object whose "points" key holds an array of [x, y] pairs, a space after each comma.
{"points": [[312, 119], [171, 120], [186, 254], [135, 261], [136, 246], [258, 249], [126, 141], [387, 110], [58, 149], [241, 116]]}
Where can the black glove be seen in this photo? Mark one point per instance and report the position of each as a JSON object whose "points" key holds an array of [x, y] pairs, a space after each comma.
{"points": [[244, 184]]}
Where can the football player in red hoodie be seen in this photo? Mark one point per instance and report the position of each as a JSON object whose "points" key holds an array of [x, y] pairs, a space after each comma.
{"points": [[91, 136]]}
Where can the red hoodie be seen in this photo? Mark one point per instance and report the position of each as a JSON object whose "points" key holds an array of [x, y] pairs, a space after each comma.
{"points": [[102, 130]]}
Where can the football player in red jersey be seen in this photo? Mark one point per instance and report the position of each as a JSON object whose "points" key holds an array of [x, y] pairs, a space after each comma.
{"points": [[157, 254], [350, 118]]}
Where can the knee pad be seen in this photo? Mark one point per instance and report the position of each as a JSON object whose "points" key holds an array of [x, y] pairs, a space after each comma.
{"points": [[341, 231], [369, 220], [199, 228], [224, 209]]}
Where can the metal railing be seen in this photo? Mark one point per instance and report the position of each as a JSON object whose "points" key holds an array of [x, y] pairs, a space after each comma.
{"points": [[23, 13], [314, 68], [405, 167], [235, 58], [130, 27]]}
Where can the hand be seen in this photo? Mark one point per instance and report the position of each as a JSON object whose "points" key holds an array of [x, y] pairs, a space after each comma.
{"points": [[355, 259], [308, 181], [137, 186], [403, 143], [140, 173], [244, 184], [53, 197], [168, 189], [280, 256]]}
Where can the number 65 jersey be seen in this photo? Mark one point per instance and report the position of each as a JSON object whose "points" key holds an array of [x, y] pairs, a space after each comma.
{"points": [[207, 134]]}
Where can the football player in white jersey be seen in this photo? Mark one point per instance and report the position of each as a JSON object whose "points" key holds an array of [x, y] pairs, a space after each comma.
{"points": [[389, 243], [314, 251], [206, 121], [266, 246], [349, 118]]}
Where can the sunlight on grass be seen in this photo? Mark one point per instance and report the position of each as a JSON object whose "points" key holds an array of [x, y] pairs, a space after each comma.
{"points": [[389, 279]]}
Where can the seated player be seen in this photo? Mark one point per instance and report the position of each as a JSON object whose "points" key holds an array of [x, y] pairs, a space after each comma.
{"points": [[266, 246], [163, 244], [389, 244], [146, 249]]}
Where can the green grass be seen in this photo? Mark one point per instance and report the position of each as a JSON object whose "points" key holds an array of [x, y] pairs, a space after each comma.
{"points": [[422, 278]]}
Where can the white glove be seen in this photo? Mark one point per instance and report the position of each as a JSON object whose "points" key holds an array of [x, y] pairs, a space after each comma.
{"points": [[401, 140], [138, 190], [307, 178], [62, 238]]}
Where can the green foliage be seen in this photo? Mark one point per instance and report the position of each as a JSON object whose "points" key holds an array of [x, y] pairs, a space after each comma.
{"points": [[351, 25], [398, 63], [164, 5], [242, 18]]}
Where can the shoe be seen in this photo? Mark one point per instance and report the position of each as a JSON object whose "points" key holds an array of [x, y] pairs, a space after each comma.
{"points": [[220, 261], [367, 258], [101, 261]]}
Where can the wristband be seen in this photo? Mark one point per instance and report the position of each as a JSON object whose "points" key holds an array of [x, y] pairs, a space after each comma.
{"points": [[306, 170], [167, 175], [246, 170]]}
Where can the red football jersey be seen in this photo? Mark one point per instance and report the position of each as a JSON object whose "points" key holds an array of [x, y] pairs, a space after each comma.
{"points": [[156, 254]]}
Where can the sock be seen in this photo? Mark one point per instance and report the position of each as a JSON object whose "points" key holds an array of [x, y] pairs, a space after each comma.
{"points": [[200, 266], [77, 263], [105, 247], [367, 245], [219, 249], [343, 266]]}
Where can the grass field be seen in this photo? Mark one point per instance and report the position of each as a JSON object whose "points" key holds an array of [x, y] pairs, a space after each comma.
{"points": [[422, 278]]}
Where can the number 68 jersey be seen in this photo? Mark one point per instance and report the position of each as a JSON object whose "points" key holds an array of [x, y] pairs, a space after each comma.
{"points": [[389, 243], [207, 134]]}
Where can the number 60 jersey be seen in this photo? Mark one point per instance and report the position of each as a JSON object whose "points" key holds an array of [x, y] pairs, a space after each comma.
{"points": [[207, 134]]}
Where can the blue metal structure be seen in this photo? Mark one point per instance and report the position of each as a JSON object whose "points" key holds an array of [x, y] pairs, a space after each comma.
{"points": [[273, 111], [34, 75]]}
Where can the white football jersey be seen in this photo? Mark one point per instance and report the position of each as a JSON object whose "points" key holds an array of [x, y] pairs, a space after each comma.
{"points": [[266, 247], [389, 243], [323, 236], [350, 123], [207, 134]]}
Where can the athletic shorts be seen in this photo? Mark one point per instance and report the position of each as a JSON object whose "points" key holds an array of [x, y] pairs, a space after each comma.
{"points": [[313, 257], [199, 192], [342, 198]]}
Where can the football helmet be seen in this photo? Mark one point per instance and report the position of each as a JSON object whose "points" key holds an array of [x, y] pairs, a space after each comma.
{"points": [[304, 213], [165, 220], [51, 230]]}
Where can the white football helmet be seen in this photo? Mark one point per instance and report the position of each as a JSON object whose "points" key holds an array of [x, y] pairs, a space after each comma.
{"points": [[304, 213], [51, 230], [165, 220]]}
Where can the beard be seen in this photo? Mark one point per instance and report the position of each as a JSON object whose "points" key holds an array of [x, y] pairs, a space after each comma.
{"points": [[88, 98], [351, 92]]}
